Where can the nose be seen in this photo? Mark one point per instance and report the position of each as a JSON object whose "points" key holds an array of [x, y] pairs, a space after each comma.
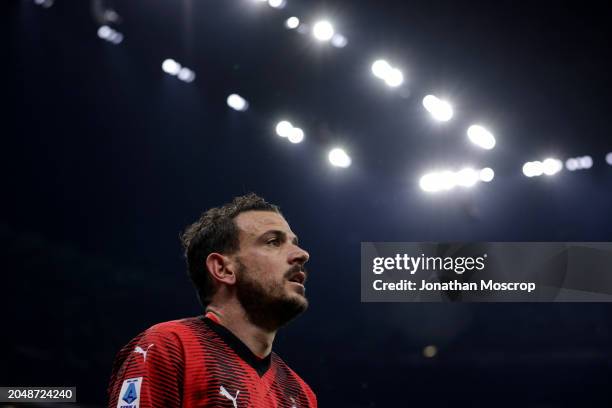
{"points": [[299, 255]]}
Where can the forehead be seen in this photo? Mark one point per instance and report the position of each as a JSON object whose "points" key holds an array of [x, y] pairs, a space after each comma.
{"points": [[255, 223]]}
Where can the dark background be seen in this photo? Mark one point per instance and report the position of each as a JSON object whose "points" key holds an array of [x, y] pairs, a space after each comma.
{"points": [[105, 158]]}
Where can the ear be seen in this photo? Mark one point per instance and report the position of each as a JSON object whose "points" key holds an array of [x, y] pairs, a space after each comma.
{"points": [[220, 268]]}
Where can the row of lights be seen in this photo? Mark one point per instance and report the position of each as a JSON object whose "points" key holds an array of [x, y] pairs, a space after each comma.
{"points": [[110, 34], [171, 67], [392, 76], [467, 177], [579, 163], [284, 128], [439, 109], [546, 167], [447, 180], [322, 31]]}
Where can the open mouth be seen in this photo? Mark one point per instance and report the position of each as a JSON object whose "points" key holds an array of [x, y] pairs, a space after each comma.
{"points": [[299, 277]]}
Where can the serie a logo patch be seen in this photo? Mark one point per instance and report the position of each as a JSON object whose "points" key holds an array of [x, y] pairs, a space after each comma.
{"points": [[129, 396]]}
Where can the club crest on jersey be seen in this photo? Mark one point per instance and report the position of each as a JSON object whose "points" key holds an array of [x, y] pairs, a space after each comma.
{"points": [[129, 396]]}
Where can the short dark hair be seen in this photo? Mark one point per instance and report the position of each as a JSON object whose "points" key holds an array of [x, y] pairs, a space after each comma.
{"points": [[216, 231]]}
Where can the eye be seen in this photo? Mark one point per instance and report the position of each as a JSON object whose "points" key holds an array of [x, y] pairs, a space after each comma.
{"points": [[273, 242]]}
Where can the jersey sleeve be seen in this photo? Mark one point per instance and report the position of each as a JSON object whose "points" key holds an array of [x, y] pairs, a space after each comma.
{"points": [[148, 371]]}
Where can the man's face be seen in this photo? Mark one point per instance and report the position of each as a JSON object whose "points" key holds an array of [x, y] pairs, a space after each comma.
{"points": [[270, 276]]}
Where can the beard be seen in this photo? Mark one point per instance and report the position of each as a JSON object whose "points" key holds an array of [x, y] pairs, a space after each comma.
{"points": [[267, 307]]}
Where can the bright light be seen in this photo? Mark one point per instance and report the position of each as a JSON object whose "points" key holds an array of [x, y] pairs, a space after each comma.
{"points": [[586, 162], [237, 102], [187, 75], [430, 183], [110, 35], [487, 174], [439, 109], [572, 164], [381, 69], [296, 135], [447, 180], [323, 30], [395, 78], [339, 158], [116, 37], [292, 23], [467, 177], [551, 166], [579, 163], [339, 41], [533, 169], [171, 67], [609, 158], [481, 137], [279, 4], [104, 32], [283, 128]]}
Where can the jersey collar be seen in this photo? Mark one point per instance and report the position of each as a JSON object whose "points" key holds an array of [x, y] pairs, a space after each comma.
{"points": [[260, 365]]}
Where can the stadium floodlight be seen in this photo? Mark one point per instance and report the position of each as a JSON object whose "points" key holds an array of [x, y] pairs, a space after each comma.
{"points": [[395, 78], [237, 102], [609, 158], [104, 32], [278, 4], [487, 174], [481, 137], [107, 33], [338, 157], [296, 135], [171, 67], [323, 30], [292, 23], [116, 37], [430, 183], [438, 108], [586, 162], [339, 41], [283, 128], [533, 169], [186, 75], [466, 177], [381, 69], [572, 164], [447, 180], [551, 166]]}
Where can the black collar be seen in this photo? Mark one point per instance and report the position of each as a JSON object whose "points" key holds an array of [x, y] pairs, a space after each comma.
{"points": [[261, 365]]}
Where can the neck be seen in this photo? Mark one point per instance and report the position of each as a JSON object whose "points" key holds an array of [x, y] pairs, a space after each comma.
{"points": [[235, 319]]}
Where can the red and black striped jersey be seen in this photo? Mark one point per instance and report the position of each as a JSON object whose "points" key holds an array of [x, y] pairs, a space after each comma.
{"points": [[196, 362]]}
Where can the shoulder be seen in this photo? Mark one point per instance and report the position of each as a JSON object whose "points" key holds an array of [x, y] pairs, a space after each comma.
{"points": [[174, 329], [166, 338]]}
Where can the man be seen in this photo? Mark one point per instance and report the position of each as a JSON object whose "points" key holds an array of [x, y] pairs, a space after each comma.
{"points": [[248, 270]]}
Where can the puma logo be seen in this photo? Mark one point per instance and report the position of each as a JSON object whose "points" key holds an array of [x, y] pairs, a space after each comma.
{"points": [[139, 349], [227, 395]]}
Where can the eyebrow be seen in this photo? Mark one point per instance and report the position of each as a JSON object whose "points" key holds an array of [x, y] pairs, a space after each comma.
{"points": [[279, 234]]}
